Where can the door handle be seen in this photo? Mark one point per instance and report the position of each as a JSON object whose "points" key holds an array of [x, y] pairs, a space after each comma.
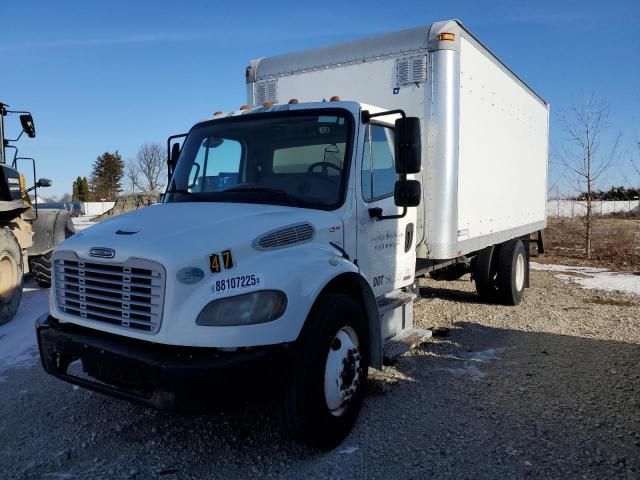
{"points": [[408, 237]]}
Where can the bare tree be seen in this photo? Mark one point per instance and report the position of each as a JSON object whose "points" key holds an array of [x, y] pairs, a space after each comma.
{"points": [[585, 125], [152, 167], [636, 163], [132, 174]]}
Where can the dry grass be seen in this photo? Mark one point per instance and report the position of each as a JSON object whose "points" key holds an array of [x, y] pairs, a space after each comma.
{"points": [[615, 243]]}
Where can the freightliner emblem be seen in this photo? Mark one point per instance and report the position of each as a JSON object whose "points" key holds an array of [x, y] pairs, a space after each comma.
{"points": [[102, 252]]}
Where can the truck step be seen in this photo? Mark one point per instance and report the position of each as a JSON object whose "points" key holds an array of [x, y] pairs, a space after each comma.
{"points": [[392, 301], [401, 344]]}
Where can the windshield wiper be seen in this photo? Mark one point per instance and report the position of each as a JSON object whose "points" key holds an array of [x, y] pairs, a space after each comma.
{"points": [[182, 190], [256, 188]]}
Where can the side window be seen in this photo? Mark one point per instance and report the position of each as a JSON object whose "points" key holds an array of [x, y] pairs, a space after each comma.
{"points": [[216, 166], [378, 163]]}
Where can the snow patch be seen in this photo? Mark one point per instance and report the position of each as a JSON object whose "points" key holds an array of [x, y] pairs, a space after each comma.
{"points": [[467, 371], [471, 359], [18, 345], [595, 278], [82, 222]]}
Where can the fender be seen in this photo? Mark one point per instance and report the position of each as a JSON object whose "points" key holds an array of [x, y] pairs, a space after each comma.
{"points": [[49, 229], [357, 286], [349, 280]]}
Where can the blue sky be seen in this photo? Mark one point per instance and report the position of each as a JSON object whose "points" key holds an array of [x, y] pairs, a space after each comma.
{"points": [[111, 75]]}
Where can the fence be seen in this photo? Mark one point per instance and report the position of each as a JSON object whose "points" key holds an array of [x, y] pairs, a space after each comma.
{"points": [[577, 208], [93, 209]]}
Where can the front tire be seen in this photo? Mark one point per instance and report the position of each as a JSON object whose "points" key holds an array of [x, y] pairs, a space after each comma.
{"points": [[324, 392], [11, 275]]}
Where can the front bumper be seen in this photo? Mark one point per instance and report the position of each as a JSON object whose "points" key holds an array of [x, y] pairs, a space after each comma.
{"points": [[145, 372]]}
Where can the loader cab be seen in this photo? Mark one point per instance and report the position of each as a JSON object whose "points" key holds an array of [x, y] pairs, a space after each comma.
{"points": [[12, 184]]}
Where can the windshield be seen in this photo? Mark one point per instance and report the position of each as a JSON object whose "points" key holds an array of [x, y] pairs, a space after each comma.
{"points": [[288, 158]]}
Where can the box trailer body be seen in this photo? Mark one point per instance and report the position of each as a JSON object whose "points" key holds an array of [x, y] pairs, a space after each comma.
{"points": [[296, 228], [485, 132]]}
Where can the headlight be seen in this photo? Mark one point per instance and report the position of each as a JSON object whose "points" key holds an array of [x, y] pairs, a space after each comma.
{"points": [[247, 309]]}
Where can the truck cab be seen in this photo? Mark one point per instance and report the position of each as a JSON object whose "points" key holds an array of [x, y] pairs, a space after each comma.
{"points": [[279, 221]]}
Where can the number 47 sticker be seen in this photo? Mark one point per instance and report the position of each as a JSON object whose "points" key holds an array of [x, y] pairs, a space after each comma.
{"points": [[216, 265]]}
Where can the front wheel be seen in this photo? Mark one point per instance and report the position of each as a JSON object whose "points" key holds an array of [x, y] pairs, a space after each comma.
{"points": [[11, 277], [324, 392]]}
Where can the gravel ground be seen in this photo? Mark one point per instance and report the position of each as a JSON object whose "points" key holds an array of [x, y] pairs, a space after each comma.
{"points": [[548, 389]]}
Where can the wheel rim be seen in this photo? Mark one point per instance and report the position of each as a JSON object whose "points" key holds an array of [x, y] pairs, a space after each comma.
{"points": [[520, 272], [342, 371], [8, 276]]}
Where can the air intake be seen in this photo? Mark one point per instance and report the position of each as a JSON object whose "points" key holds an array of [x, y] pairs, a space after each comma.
{"points": [[266, 91], [411, 70], [285, 237]]}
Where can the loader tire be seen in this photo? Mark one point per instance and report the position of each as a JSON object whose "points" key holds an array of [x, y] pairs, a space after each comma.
{"points": [[325, 387], [40, 267], [11, 275]]}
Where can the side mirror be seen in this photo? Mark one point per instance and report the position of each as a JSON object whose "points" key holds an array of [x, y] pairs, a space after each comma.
{"points": [[407, 193], [408, 146], [173, 159], [44, 182], [26, 120]]}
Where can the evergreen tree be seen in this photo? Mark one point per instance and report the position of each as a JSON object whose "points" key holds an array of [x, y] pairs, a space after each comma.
{"points": [[75, 196], [86, 192], [108, 170]]}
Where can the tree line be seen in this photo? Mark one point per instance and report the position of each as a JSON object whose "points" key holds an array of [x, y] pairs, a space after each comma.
{"points": [[620, 193], [111, 175]]}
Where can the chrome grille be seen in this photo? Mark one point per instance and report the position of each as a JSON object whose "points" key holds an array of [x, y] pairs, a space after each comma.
{"points": [[128, 295], [284, 237]]}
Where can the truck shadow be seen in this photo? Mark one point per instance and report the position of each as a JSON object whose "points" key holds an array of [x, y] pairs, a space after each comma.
{"points": [[428, 292], [500, 403]]}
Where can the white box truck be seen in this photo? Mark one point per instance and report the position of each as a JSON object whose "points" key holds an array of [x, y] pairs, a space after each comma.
{"points": [[294, 230]]}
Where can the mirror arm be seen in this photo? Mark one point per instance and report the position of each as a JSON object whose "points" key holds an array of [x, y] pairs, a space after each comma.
{"points": [[19, 112], [377, 214]]}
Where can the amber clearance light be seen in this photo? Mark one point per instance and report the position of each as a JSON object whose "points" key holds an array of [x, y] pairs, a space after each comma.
{"points": [[447, 36]]}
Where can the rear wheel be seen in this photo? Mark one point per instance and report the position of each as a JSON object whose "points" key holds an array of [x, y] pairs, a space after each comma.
{"points": [[11, 276], [40, 267], [512, 271], [485, 273], [323, 395]]}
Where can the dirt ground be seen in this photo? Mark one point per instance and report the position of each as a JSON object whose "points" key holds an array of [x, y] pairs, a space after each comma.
{"points": [[548, 389], [615, 243]]}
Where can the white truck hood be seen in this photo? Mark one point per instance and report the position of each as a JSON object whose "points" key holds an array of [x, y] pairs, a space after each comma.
{"points": [[173, 233]]}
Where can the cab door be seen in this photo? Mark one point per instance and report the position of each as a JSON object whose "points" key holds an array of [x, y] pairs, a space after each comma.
{"points": [[385, 248]]}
